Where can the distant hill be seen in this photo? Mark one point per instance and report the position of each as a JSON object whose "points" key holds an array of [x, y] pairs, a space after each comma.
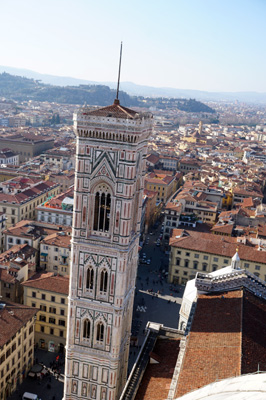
{"points": [[141, 90], [21, 88]]}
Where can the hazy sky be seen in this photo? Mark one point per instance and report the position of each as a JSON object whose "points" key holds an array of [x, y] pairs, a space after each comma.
{"points": [[214, 45]]}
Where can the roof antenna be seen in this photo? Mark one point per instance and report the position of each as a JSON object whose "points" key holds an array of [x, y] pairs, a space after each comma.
{"points": [[118, 81]]}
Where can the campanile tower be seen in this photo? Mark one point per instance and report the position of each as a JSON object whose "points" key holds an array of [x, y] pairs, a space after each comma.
{"points": [[110, 167]]}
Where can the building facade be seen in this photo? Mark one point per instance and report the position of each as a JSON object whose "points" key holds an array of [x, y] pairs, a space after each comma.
{"points": [[48, 294], [110, 168], [20, 203], [16, 345], [55, 253], [193, 252]]}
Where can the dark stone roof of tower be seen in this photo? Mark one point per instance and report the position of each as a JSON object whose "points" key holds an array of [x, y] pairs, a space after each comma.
{"points": [[114, 111]]}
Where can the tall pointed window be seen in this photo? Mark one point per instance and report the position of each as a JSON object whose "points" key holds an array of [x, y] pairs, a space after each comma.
{"points": [[86, 329], [100, 332], [102, 209], [103, 281], [90, 278]]}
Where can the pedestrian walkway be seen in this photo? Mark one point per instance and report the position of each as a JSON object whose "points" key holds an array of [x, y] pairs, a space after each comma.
{"points": [[49, 387]]}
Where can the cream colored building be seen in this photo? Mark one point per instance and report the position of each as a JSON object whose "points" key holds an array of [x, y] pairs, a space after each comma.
{"points": [[193, 252], [55, 252], [49, 294], [165, 185], [21, 204], [16, 345]]}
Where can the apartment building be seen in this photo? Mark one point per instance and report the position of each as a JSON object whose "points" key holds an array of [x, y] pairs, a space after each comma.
{"points": [[8, 157], [49, 294], [26, 145], [65, 179], [15, 266], [55, 253], [58, 210], [241, 193], [16, 345], [30, 232], [20, 196], [165, 185], [62, 159], [193, 252]]}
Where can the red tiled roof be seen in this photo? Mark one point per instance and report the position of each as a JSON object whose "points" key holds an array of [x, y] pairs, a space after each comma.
{"points": [[114, 111], [228, 228], [49, 282], [214, 244], [156, 381], [13, 316], [247, 202], [152, 158], [213, 349], [58, 239]]}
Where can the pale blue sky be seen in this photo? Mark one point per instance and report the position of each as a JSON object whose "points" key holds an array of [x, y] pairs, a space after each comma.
{"points": [[214, 45]]}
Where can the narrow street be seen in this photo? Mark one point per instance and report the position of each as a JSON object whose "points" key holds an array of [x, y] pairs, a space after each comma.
{"points": [[155, 299]]}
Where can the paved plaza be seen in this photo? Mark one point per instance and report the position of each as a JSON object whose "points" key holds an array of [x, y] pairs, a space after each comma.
{"points": [[50, 387]]}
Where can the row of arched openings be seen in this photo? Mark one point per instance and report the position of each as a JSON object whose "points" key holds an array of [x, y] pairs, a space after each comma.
{"points": [[99, 330], [90, 281], [107, 135]]}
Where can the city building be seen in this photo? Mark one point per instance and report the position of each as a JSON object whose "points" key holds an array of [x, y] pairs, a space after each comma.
{"points": [[48, 294], [31, 233], [58, 210], [110, 168], [20, 196], [62, 159], [15, 266], [7, 157], [55, 252], [193, 251], [65, 179], [16, 345], [27, 145], [165, 185]]}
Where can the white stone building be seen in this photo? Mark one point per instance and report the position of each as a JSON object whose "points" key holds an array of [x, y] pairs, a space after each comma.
{"points": [[110, 168]]}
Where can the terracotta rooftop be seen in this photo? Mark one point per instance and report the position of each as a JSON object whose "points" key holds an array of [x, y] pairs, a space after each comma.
{"points": [[59, 239], [49, 282], [13, 316], [262, 231], [113, 111], [215, 244], [227, 228], [173, 206], [227, 339], [152, 158], [157, 378], [34, 229], [213, 349], [247, 202]]}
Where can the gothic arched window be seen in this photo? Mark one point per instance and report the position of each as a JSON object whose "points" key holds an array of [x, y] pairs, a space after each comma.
{"points": [[86, 329], [90, 278], [103, 280], [102, 209], [100, 332]]}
